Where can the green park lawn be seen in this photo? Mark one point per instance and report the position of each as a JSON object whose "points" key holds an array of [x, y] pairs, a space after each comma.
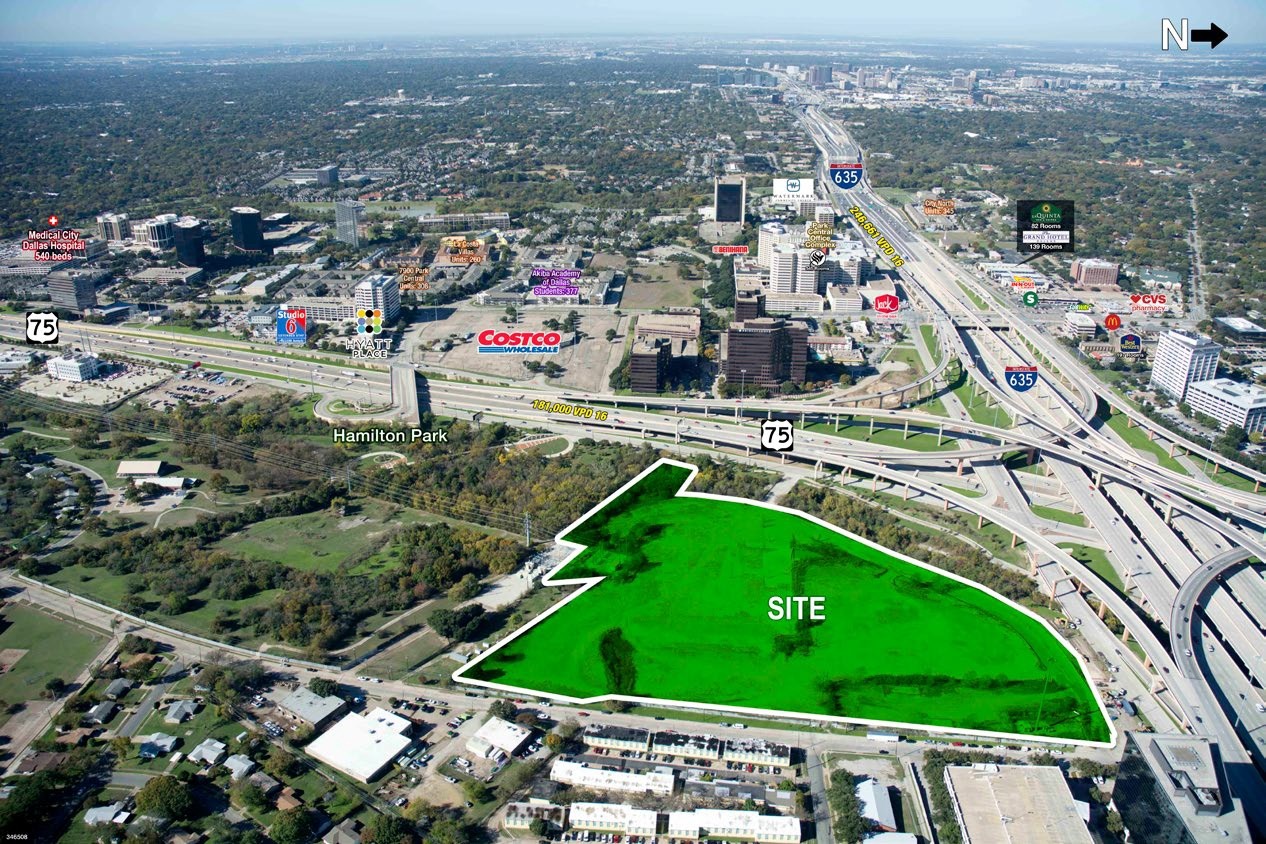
{"points": [[319, 541], [54, 648], [682, 615]]}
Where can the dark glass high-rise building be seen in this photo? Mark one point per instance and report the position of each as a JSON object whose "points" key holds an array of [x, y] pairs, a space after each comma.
{"points": [[248, 229], [765, 352], [730, 199], [1171, 789], [189, 247]]}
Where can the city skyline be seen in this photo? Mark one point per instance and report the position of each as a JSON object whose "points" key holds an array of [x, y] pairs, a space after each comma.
{"points": [[1080, 21]]}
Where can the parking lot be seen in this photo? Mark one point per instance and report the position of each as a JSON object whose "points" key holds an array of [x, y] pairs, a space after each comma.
{"points": [[119, 381], [197, 386]]}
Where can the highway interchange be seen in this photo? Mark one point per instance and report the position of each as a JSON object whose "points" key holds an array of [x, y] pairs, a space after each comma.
{"points": [[1181, 539]]}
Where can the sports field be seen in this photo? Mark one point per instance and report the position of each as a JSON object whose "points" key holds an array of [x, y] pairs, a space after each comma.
{"points": [[683, 615]]}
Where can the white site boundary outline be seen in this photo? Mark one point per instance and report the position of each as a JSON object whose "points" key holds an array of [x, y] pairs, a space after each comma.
{"points": [[587, 583]]}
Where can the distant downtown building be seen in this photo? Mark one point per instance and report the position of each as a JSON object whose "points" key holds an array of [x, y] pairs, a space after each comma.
{"points": [[188, 240], [1229, 402], [247, 227], [73, 289], [348, 215], [730, 199], [765, 352], [1180, 359]]}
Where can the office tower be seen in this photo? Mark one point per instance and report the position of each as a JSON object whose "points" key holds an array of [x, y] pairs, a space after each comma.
{"points": [[806, 273], [769, 235], [887, 76], [782, 269], [382, 293], [824, 213], [748, 304], [1180, 359], [862, 77], [1172, 788], [114, 227], [730, 199], [765, 352], [348, 214], [648, 364], [74, 290], [854, 263], [1229, 402], [189, 246], [247, 227]]}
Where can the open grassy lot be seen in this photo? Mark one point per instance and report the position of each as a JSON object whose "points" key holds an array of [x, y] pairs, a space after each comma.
{"points": [[321, 541], [54, 648], [659, 286], [919, 439], [942, 651], [1096, 559]]}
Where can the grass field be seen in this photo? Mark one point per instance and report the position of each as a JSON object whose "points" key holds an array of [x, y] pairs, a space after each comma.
{"points": [[1057, 515], [896, 195], [1095, 559], [978, 409], [54, 648], [318, 541], [1137, 439], [660, 286], [918, 440], [976, 300], [929, 340], [684, 615]]}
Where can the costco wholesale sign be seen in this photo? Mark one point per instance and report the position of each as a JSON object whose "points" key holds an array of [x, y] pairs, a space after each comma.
{"points": [[493, 342]]}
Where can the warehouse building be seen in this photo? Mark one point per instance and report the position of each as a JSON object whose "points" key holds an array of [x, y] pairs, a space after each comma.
{"points": [[311, 708], [498, 735], [578, 774], [362, 746], [1001, 804]]}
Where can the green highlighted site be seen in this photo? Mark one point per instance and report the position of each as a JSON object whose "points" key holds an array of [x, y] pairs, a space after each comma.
{"points": [[719, 602]]}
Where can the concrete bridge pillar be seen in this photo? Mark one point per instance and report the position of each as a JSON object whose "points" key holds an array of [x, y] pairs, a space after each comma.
{"points": [[643, 407], [1103, 610], [1169, 514], [784, 458], [960, 467], [905, 495], [1151, 435], [1147, 662], [817, 469], [837, 423], [905, 435], [1125, 636], [1098, 480], [802, 420], [872, 425], [849, 469], [1015, 538], [945, 501], [874, 483], [980, 522], [940, 434]]}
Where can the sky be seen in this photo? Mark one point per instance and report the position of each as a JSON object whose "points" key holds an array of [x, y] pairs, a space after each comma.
{"points": [[185, 21]]}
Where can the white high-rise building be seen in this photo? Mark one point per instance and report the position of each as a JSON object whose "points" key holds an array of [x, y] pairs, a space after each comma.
{"points": [[782, 268], [1182, 358], [806, 273], [769, 235], [79, 366], [348, 214], [158, 233], [380, 292], [1229, 402]]}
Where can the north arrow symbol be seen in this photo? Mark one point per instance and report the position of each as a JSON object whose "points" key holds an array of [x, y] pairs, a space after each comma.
{"points": [[1214, 35], [699, 600]]}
